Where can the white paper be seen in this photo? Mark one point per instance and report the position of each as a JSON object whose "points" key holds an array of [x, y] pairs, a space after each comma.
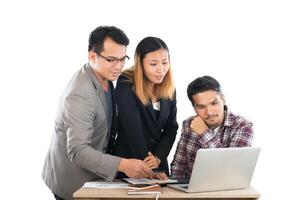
{"points": [[102, 185], [141, 188], [141, 181], [144, 192]]}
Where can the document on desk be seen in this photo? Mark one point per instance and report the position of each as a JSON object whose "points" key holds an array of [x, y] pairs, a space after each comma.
{"points": [[103, 185], [146, 181], [150, 189]]}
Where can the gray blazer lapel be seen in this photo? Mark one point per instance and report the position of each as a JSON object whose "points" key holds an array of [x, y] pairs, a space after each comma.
{"points": [[98, 87]]}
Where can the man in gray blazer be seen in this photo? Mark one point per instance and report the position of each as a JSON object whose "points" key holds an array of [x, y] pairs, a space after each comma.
{"points": [[83, 124]]}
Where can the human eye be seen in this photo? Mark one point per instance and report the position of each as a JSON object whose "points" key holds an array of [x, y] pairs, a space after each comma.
{"points": [[110, 60], [122, 60], [113, 60], [215, 103], [199, 107], [152, 64]]}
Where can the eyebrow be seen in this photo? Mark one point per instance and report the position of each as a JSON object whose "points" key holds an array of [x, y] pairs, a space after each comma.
{"points": [[159, 60], [116, 57], [208, 103]]}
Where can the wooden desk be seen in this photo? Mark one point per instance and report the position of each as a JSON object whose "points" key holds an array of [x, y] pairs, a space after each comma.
{"points": [[167, 194]]}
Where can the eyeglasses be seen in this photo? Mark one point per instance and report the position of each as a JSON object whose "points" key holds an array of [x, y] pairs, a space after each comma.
{"points": [[113, 60]]}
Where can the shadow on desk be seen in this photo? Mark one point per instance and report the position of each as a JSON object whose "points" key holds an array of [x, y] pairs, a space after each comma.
{"points": [[167, 193]]}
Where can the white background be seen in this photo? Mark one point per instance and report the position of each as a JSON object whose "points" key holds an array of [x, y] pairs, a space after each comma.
{"points": [[251, 47]]}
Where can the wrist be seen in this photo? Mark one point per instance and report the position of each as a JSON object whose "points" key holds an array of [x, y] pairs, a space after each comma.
{"points": [[157, 160], [122, 165]]}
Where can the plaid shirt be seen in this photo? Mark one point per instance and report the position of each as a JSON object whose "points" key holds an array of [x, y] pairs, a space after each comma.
{"points": [[235, 132]]}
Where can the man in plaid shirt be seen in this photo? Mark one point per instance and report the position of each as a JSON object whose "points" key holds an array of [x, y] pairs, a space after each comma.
{"points": [[214, 126]]}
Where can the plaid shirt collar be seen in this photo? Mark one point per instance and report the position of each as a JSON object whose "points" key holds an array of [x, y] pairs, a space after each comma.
{"points": [[228, 121]]}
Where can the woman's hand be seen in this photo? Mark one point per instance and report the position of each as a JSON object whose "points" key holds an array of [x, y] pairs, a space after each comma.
{"points": [[152, 161], [160, 176]]}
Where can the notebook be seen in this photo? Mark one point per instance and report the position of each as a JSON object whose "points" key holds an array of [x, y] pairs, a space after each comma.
{"points": [[146, 181], [149, 189], [221, 169]]}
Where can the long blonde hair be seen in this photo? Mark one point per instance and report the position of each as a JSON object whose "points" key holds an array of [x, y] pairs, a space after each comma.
{"points": [[136, 75]]}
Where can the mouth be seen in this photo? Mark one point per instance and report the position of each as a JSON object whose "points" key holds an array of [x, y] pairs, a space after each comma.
{"points": [[116, 73], [211, 118], [159, 77]]}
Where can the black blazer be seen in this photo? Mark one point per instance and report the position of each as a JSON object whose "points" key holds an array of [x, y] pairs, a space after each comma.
{"points": [[139, 130]]}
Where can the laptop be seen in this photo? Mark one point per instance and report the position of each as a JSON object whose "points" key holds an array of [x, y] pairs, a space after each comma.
{"points": [[221, 169]]}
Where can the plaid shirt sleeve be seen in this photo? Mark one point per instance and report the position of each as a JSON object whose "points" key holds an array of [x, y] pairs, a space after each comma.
{"points": [[180, 162], [239, 135]]}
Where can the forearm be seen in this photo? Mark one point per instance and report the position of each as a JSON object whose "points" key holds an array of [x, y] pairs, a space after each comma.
{"points": [[179, 165], [122, 165], [135, 142], [178, 170], [104, 165], [165, 145], [79, 119]]}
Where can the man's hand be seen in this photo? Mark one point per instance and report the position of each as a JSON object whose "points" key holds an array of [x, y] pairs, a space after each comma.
{"points": [[135, 168], [160, 176], [198, 125], [152, 161]]}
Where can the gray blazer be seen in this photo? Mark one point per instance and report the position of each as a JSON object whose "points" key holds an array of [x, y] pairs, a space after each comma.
{"points": [[78, 146]]}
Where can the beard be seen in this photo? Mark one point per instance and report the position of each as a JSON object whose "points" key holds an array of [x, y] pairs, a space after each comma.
{"points": [[212, 121]]}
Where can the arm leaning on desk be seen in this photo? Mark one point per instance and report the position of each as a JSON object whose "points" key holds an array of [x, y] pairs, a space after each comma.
{"points": [[167, 194]]}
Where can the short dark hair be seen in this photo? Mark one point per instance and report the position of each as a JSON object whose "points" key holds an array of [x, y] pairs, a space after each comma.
{"points": [[97, 37], [203, 84]]}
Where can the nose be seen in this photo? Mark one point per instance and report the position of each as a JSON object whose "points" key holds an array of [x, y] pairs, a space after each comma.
{"points": [[119, 65], [209, 110], [160, 68]]}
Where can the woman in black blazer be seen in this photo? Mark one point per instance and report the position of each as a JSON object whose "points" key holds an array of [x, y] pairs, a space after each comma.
{"points": [[146, 101]]}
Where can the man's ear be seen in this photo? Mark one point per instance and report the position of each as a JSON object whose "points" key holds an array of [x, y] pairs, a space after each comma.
{"points": [[92, 57], [195, 109], [223, 98]]}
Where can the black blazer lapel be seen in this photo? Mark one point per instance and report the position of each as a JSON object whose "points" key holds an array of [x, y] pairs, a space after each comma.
{"points": [[164, 104], [149, 108]]}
